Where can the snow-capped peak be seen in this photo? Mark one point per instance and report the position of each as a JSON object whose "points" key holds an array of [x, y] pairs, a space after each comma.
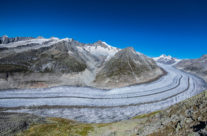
{"points": [[165, 56], [101, 48], [166, 59]]}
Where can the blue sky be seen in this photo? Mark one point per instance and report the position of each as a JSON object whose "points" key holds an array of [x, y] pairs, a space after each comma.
{"points": [[153, 27]]}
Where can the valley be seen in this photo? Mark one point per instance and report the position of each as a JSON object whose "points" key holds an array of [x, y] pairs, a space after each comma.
{"points": [[92, 105]]}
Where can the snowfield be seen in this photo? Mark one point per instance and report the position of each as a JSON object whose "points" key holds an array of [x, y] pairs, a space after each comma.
{"points": [[101, 106]]}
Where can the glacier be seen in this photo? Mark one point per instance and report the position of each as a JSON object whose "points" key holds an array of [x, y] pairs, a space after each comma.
{"points": [[93, 105]]}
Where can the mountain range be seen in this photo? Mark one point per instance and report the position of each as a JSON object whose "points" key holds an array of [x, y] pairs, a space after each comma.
{"points": [[41, 62]]}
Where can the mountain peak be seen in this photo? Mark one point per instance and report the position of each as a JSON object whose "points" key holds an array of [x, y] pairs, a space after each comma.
{"points": [[102, 43], [166, 59], [126, 65], [128, 50], [99, 42]]}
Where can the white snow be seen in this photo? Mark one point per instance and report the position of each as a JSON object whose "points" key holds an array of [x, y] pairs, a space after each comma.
{"points": [[164, 58], [97, 51]]}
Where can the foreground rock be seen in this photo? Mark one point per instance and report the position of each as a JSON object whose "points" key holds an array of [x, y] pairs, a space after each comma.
{"points": [[195, 66], [12, 123]]}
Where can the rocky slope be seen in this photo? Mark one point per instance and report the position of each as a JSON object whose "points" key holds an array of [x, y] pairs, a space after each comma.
{"points": [[125, 66], [41, 62], [12, 123], [166, 59], [195, 66]]}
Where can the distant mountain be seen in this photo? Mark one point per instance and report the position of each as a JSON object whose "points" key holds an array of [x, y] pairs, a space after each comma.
{"points": [[54, 61], [166, 59], [196, 66]]}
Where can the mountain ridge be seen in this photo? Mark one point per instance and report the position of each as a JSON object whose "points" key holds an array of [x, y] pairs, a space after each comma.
{"points": [[71, 63], [127, 66]]}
